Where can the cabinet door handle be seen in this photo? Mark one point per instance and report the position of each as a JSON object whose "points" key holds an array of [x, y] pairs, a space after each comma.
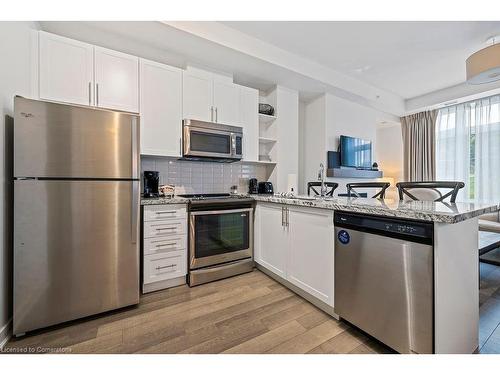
{"points": [[287, 217], [216, 114], [282, 216], [180, 146], [212, 113], [97, 94], [90, 93]]}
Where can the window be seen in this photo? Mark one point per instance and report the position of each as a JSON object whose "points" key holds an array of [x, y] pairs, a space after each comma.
{"points": [[468, 148]]}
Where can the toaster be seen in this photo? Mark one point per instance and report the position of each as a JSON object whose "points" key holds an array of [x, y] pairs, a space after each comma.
{"points": [[265, 188]]}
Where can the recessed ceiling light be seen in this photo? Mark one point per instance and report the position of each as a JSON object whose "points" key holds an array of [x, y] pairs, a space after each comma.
{"points": [[362, 69]]}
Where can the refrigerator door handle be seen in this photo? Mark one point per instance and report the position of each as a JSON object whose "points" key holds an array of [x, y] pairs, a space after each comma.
{"points": [[134, 210], [134, 148]]}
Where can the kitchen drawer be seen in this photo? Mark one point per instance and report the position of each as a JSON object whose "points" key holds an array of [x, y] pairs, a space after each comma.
{"points": [[161, 228], [165, 211], [156, 245], [158, 267]]}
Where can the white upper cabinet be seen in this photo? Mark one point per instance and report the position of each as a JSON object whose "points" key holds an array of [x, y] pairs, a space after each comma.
{"points": [[116, 80], [249, 120], [161, 109], [66, 69], [197, 96], [80, 73], [226, 102], [210, 97]]}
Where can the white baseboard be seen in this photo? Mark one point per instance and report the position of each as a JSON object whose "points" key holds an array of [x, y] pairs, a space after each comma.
{"points": [[5, 334]]}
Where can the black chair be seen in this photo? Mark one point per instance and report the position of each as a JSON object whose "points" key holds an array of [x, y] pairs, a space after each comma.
{"points": [[431, 186], [331, 186], [367, 185]]}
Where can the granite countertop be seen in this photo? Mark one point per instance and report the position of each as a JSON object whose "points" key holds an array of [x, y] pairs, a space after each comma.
{"points": [[441, 212], [163, 200]]}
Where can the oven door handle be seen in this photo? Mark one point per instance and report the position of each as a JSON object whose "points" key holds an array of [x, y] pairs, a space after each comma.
{"points": [[196, 213]]}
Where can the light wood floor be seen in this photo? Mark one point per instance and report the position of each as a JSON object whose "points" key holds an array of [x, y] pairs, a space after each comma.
{"points": [[489, 310], [250, 313]]}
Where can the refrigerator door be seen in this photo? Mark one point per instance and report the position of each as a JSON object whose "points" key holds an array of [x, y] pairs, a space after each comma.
{"points": [[63, 141], [76, 250]]}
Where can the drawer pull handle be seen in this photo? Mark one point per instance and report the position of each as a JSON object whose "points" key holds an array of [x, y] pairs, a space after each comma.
{"points": [[170, 228], [163, 267], [165, 212], [173, 239], [166, 244], [159, 225]]}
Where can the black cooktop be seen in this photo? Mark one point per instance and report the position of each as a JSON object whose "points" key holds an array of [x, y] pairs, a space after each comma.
{"points": [[206, 196]]}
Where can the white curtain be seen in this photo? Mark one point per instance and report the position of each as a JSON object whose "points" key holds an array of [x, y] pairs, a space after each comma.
{"points": [[453, 146], [487, 150], [468, 148]]}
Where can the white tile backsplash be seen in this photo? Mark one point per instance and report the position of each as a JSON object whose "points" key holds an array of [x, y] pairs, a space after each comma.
{"points": [[194, 177]]}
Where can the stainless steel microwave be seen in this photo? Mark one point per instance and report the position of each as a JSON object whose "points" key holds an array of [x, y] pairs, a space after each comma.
{"points": [[208, 140]]}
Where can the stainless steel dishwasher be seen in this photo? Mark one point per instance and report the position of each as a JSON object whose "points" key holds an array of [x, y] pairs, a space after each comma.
{"points": [[384, 277]]}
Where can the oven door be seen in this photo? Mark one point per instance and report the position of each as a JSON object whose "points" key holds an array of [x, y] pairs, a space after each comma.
{"points": [[220, 236], [204, 142]]}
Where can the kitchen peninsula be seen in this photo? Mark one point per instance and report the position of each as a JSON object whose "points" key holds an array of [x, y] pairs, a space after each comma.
{"points": [[295, 242]]}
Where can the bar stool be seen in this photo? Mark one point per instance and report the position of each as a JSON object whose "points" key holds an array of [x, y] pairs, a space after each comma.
{"points": [[331, 186], [428, 190], [368, 185]]}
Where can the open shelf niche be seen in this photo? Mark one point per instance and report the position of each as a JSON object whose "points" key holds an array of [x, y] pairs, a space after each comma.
{"points": [[268, 142]]}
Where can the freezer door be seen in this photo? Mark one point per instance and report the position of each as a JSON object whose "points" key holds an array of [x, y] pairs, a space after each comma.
{"points": [[76, 250], [58, 140], [385, 287]]}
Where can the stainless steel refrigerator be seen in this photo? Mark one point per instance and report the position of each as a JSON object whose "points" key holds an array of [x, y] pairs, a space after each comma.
{"points": [[76, 207]]}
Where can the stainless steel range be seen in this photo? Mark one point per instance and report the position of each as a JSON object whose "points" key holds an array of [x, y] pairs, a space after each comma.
{"points": [[220, 236]]}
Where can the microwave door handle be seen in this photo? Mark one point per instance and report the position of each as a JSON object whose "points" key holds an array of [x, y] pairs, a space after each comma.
{"points": [[187, 142], [233, 144]]}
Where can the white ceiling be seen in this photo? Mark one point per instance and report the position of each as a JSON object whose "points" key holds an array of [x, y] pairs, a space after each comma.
{"points": [[407, 58]]}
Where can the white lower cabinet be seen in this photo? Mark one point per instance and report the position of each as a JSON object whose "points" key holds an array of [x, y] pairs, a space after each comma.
{"points": [[271, 238], [297, 244], [164, 246], [310, 260], [164, 266]]}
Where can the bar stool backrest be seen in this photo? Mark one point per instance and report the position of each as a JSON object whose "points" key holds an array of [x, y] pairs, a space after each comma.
{"points": [[351, 188], [429, 190], [331, 186]]}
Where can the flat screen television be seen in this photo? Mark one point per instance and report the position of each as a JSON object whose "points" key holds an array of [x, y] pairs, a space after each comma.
{"points": [[355, 152]]}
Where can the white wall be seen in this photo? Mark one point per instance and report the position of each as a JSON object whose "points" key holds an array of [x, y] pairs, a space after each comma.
{"points": [[348, 118], [389, 155], [15, 79], [302, 164], [287, 125], [327, 118], [313, 141]]}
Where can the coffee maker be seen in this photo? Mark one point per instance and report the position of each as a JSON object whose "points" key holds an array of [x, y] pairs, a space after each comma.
{"points": [[151, 183], [253, 186]]}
